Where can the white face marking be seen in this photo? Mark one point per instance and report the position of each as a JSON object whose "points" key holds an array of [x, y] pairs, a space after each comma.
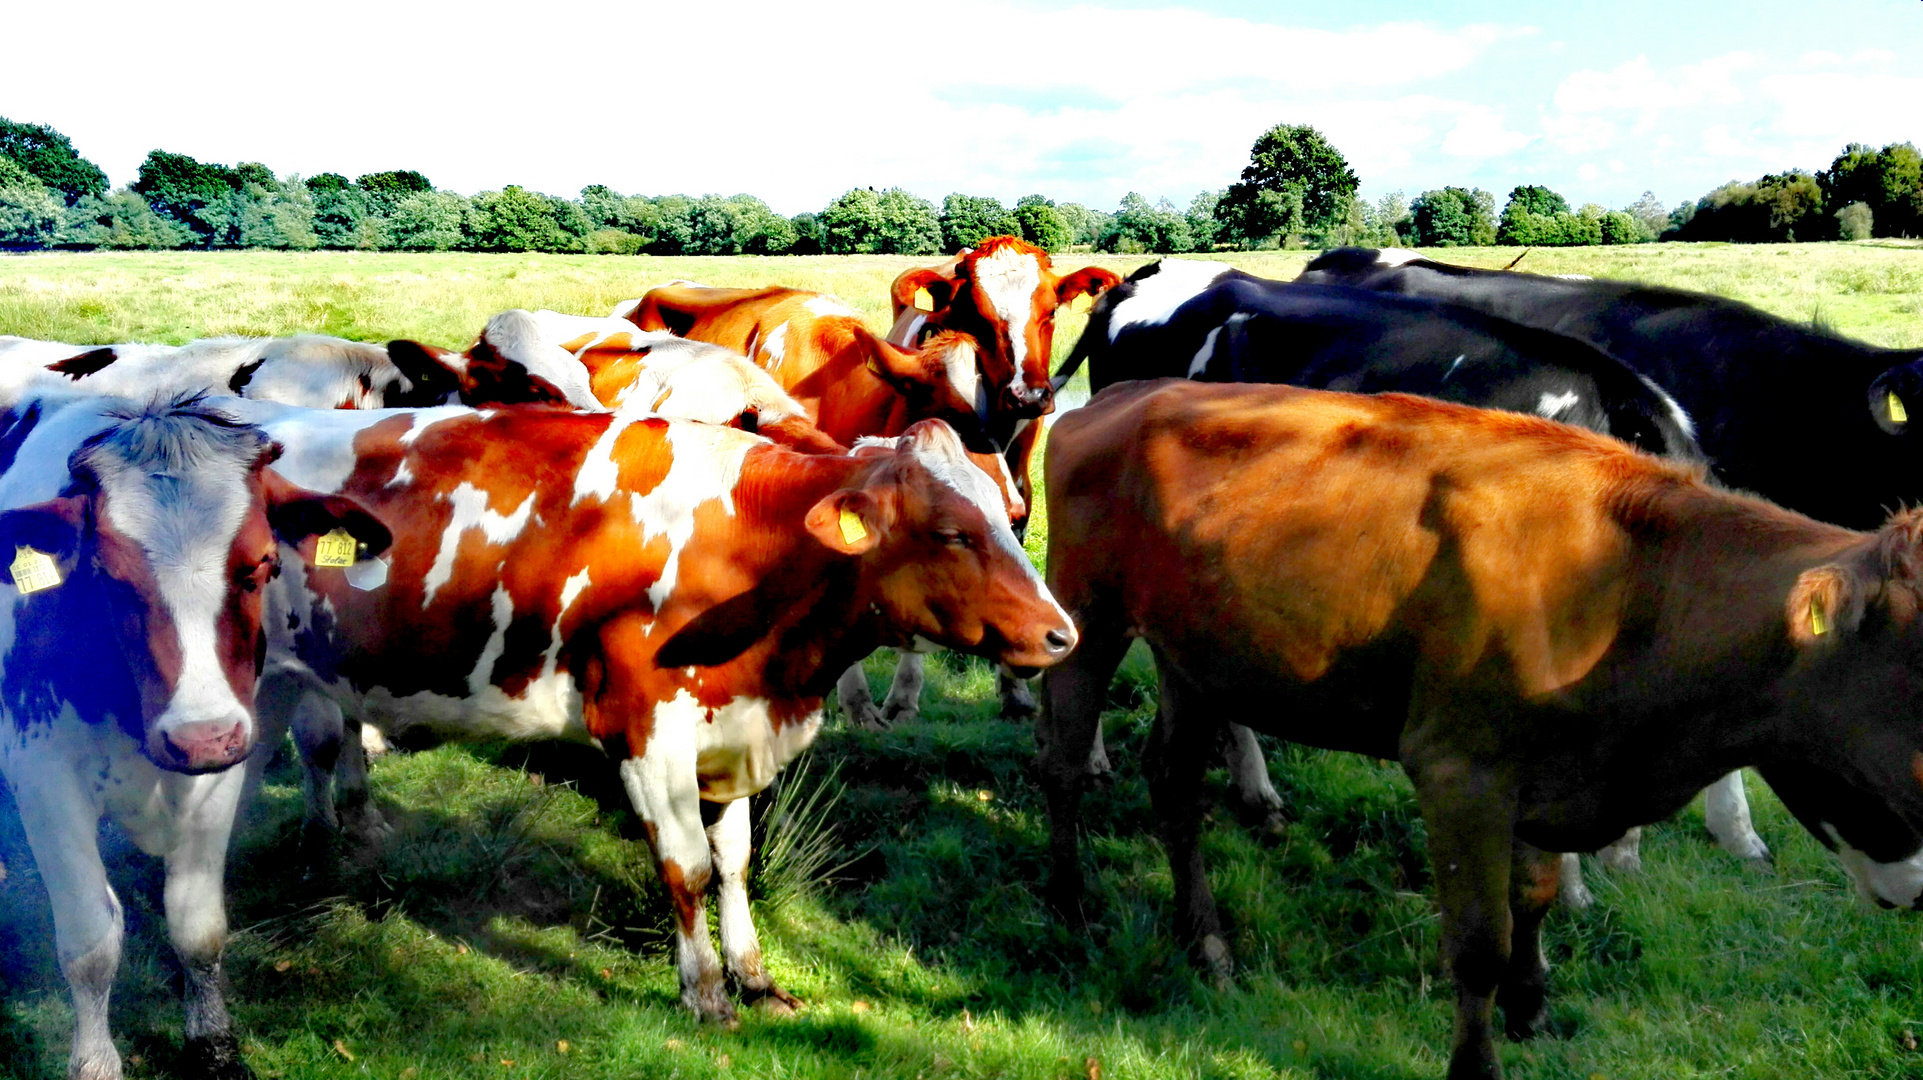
{"points": [[1897, 883], [943, 456], [1554, 405], [471, 511], [1009, 278], [1396, 257], [964, 373], [1153, 299], [1202, 355], [822, 306]]}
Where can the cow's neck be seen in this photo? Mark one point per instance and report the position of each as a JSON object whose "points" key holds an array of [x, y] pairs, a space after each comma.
{"points": [[845, 396]]}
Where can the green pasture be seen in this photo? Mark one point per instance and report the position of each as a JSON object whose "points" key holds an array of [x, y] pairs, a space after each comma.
{"points": [[509, 926]]}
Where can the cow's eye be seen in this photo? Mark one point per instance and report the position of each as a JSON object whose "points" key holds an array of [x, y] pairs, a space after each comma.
{"points": [[251, 578], [953, 537]]}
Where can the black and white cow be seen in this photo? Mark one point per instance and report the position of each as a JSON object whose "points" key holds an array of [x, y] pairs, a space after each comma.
{"points": [[1211, 322], [140, 538], [1806, 419]]}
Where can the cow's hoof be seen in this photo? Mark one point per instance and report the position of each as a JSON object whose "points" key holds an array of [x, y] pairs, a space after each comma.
{"points": [[897, 713], [865, 716], [1020, 705], [365, 825], [774, 1001], [214, 1057], [1216, 962], [1623, 862], [1522, 1011], [1750, 849]]}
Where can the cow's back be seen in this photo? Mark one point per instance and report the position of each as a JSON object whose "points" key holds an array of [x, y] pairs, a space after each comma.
{"points": [[1364, 538]]}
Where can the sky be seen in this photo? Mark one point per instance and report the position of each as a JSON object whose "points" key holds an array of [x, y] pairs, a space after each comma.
{"points": [[1081, 102]]}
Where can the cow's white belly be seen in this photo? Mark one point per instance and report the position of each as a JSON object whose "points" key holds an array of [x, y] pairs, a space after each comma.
{"points": [[549, 708], [738, 747]]}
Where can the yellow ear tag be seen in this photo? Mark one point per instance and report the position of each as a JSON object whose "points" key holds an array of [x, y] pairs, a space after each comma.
{"points": [[1818, 624], [1081, 303], [336, 549], [1898, 414], [33, 570], [924, 300], [852, 530]]}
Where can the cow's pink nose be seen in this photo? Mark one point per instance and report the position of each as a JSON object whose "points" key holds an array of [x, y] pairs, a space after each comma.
{"points": [[209, 744]]}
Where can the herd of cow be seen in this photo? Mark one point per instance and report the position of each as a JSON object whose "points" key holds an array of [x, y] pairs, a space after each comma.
{"points": [[671, 531]]}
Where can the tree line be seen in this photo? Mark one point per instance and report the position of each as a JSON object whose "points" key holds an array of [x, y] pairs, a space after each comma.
{"points": [[1297, 191]]}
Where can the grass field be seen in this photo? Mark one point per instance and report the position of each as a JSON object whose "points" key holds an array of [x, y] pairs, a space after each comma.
{"points": [[510, 925]]}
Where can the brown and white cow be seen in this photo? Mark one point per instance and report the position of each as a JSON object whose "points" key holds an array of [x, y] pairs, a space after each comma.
{"points": [[682, 595], [129, 652], [852, 381], [1558, 636]]}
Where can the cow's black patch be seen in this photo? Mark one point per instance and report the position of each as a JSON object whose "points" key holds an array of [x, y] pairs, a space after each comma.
{"points": [[242, 376], [79, 367], [15, 426]]}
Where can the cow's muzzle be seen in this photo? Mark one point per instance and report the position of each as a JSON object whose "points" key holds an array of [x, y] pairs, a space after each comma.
{"points": [[206, 745]]}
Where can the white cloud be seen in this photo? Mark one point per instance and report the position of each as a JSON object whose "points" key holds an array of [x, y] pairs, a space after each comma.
{"points": [[1479, 132]]}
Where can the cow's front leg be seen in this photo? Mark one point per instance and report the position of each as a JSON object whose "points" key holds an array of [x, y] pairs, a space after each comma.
{"points": [[662, 785], [1470, 816], [61, 827], [1534, 882], [857, 701], [197, 920], [731, 838], [904, 694], [1726, 812], [1625, 853], [1018, 700], [1178, 755], [1067, 733]]}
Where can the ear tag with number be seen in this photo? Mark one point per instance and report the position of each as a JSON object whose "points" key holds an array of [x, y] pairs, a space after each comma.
{"points": [[1081, 303], [336, 549], [852, 530], [1818, 623], [33, 570], [1898, 414], [924, 300]]}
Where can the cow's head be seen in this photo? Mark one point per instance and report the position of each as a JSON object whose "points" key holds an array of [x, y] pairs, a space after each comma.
{"points": [[939, 380], [1004, 293], [1894, 395], [937, 557], [1854, 776], [162, 541], [513, 363]]}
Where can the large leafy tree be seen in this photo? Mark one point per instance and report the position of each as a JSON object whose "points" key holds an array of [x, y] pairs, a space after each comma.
{"points": [[1041, 223], [188, 192], [967, 220], [1453, 217], [892, 222], [1141, 226], [51, 158], [1888, 181], [1296, 183]]}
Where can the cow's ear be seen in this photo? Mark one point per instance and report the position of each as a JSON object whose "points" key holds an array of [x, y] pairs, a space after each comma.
{"points": [[1089, 281], [923, 288], [1894, 395], [908, 372], [435, 378], [296, 513], [1826, 603], [848, 521], [53, 526]]}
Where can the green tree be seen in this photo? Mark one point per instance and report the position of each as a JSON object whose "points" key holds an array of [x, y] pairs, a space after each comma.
{"points": [[122, 220], [673, 230], [807, 228], [1775, 208], [30, 212], [1650, 215], [1140, 226], [51, 159], [1084, 225], [1538, 200], [183, 190], [430, 221], [866, 221], [1041, 223], [1453, 217], [1296, 183], [1855, 222], [967, 220], [339, 209], [1888, 181], [516, 219], [1204, 226]]}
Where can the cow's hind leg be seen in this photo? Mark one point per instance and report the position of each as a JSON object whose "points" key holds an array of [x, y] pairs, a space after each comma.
{"points": [[730, 837], [857, 701], [62, 831], [661, 783], [1256, 801], [197, 921], [1626, 854], [1726, 812], [1178, 755], [1018, 700], [1534, 880], [903, 702]]}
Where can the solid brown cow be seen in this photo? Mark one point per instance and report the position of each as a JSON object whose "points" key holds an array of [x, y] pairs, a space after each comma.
{"points": [[849, 379], [1558, 636], [681, 594]]}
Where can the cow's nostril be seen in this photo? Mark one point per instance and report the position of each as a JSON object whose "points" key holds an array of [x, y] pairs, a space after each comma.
{"points": [[1056, 641]]}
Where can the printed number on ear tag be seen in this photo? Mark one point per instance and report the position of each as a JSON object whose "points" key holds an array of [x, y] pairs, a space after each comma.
{"points": [[924, 300], [33, 570], [336, 549], [1081, 303], [1818, 623], [1898, 414], [852, 530]]}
